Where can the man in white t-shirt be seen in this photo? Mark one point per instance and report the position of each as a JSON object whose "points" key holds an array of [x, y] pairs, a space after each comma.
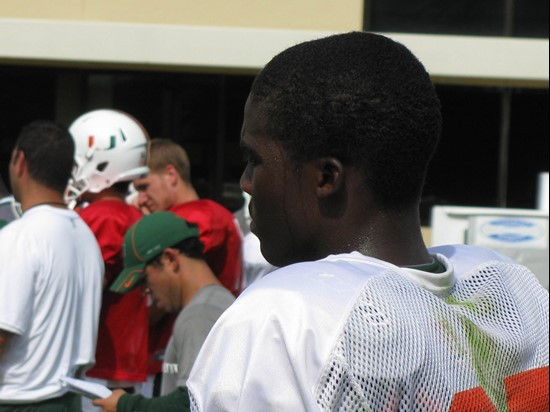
{"points": [[50, 279], [338, 133]]}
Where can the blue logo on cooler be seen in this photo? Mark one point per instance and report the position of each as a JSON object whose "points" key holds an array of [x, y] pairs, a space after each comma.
{"points": [[512, 230]]}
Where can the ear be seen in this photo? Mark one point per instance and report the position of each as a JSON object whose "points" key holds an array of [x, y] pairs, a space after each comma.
{"points": [[19, 162], [171, 257], [171, 175], [330, 176]]}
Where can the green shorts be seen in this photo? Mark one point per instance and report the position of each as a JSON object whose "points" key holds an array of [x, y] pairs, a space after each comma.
{"points": [[70, 402]]}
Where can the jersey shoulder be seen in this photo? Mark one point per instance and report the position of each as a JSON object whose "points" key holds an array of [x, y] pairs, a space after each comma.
{"points": [[113, 211], [466, 258], [202, 211]]}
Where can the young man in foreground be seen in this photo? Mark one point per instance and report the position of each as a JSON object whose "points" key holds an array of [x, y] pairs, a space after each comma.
{"points": [[338, 134]]}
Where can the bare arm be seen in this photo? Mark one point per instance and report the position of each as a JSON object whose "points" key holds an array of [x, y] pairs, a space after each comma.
{"points": [[4, 338]]}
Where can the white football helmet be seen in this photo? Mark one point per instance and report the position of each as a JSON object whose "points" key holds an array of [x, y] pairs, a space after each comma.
{"points": [[110, 146]]}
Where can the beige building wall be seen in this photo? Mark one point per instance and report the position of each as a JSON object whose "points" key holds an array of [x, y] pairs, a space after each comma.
{"points": [[330, 15], [237, 36]]}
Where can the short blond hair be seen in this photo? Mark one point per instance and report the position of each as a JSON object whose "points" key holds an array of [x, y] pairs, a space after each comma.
{"points": [[164, 152]]}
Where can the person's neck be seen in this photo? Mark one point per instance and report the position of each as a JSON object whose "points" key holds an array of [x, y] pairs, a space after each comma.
{"points": [[197, 275], [38, 195], [394, 237], [106, 194], [185, 193]]}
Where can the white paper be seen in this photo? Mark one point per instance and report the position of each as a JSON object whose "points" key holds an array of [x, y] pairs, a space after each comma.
{"points": [[88, 389]]}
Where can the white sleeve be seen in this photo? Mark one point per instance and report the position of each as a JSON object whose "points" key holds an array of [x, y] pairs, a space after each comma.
{"points": [[236, 373], [268, 350], [264, 354], [17, 280]]}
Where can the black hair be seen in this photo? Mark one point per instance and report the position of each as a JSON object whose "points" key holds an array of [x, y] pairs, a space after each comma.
{"points": [[49, 153], [359, 97], [121, 188], [191, 247]]}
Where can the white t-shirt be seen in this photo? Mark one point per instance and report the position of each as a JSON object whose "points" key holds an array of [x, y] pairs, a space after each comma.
{"points": [[352, 333], [51, 275]]}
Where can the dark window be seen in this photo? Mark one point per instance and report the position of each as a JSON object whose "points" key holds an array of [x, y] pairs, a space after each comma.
{"points": [[26, 94], [531, 18], [523, 18], [203, 113], [465, 168], [472, 17], [179, 107], [528, 153]]}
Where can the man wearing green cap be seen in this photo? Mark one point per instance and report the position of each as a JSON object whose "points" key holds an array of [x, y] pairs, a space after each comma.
{"points": [[163, 253]]}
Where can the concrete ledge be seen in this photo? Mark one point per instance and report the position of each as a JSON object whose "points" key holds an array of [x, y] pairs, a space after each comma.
{"points": [[484, 61]]}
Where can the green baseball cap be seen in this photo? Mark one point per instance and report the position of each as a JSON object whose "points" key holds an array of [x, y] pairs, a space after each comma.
{"points": [[147, 239]]}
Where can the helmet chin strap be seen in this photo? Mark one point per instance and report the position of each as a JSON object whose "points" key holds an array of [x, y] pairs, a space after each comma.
{"points": [[72, 204], [73, 192]]}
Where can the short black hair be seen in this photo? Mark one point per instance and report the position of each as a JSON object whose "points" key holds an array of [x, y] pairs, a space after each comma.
{"points": [[360, 97], [49, 153], [191, 247], [122, 188]]}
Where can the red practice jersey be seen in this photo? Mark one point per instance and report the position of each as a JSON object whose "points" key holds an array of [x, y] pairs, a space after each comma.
{"points": [[121, 352], [220, 237]]}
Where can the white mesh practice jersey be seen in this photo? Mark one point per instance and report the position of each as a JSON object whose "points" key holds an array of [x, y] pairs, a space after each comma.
{"points": [[352, 333]]}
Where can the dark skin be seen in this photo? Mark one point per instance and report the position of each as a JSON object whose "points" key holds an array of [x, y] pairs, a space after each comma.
{"points": [[303, 212], [349, 220]]}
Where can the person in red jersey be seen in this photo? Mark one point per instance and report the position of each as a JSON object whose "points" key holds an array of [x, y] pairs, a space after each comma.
{"points": [[111, 151], [168, 187]]}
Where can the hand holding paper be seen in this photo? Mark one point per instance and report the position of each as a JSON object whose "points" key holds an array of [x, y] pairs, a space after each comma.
{"points": [[109, 404], [88, 389]]}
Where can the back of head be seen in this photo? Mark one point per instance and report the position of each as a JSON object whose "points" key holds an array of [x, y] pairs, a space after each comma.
{"points": [[111, 147], [166, 152], [359, 97], [49, 152]]}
